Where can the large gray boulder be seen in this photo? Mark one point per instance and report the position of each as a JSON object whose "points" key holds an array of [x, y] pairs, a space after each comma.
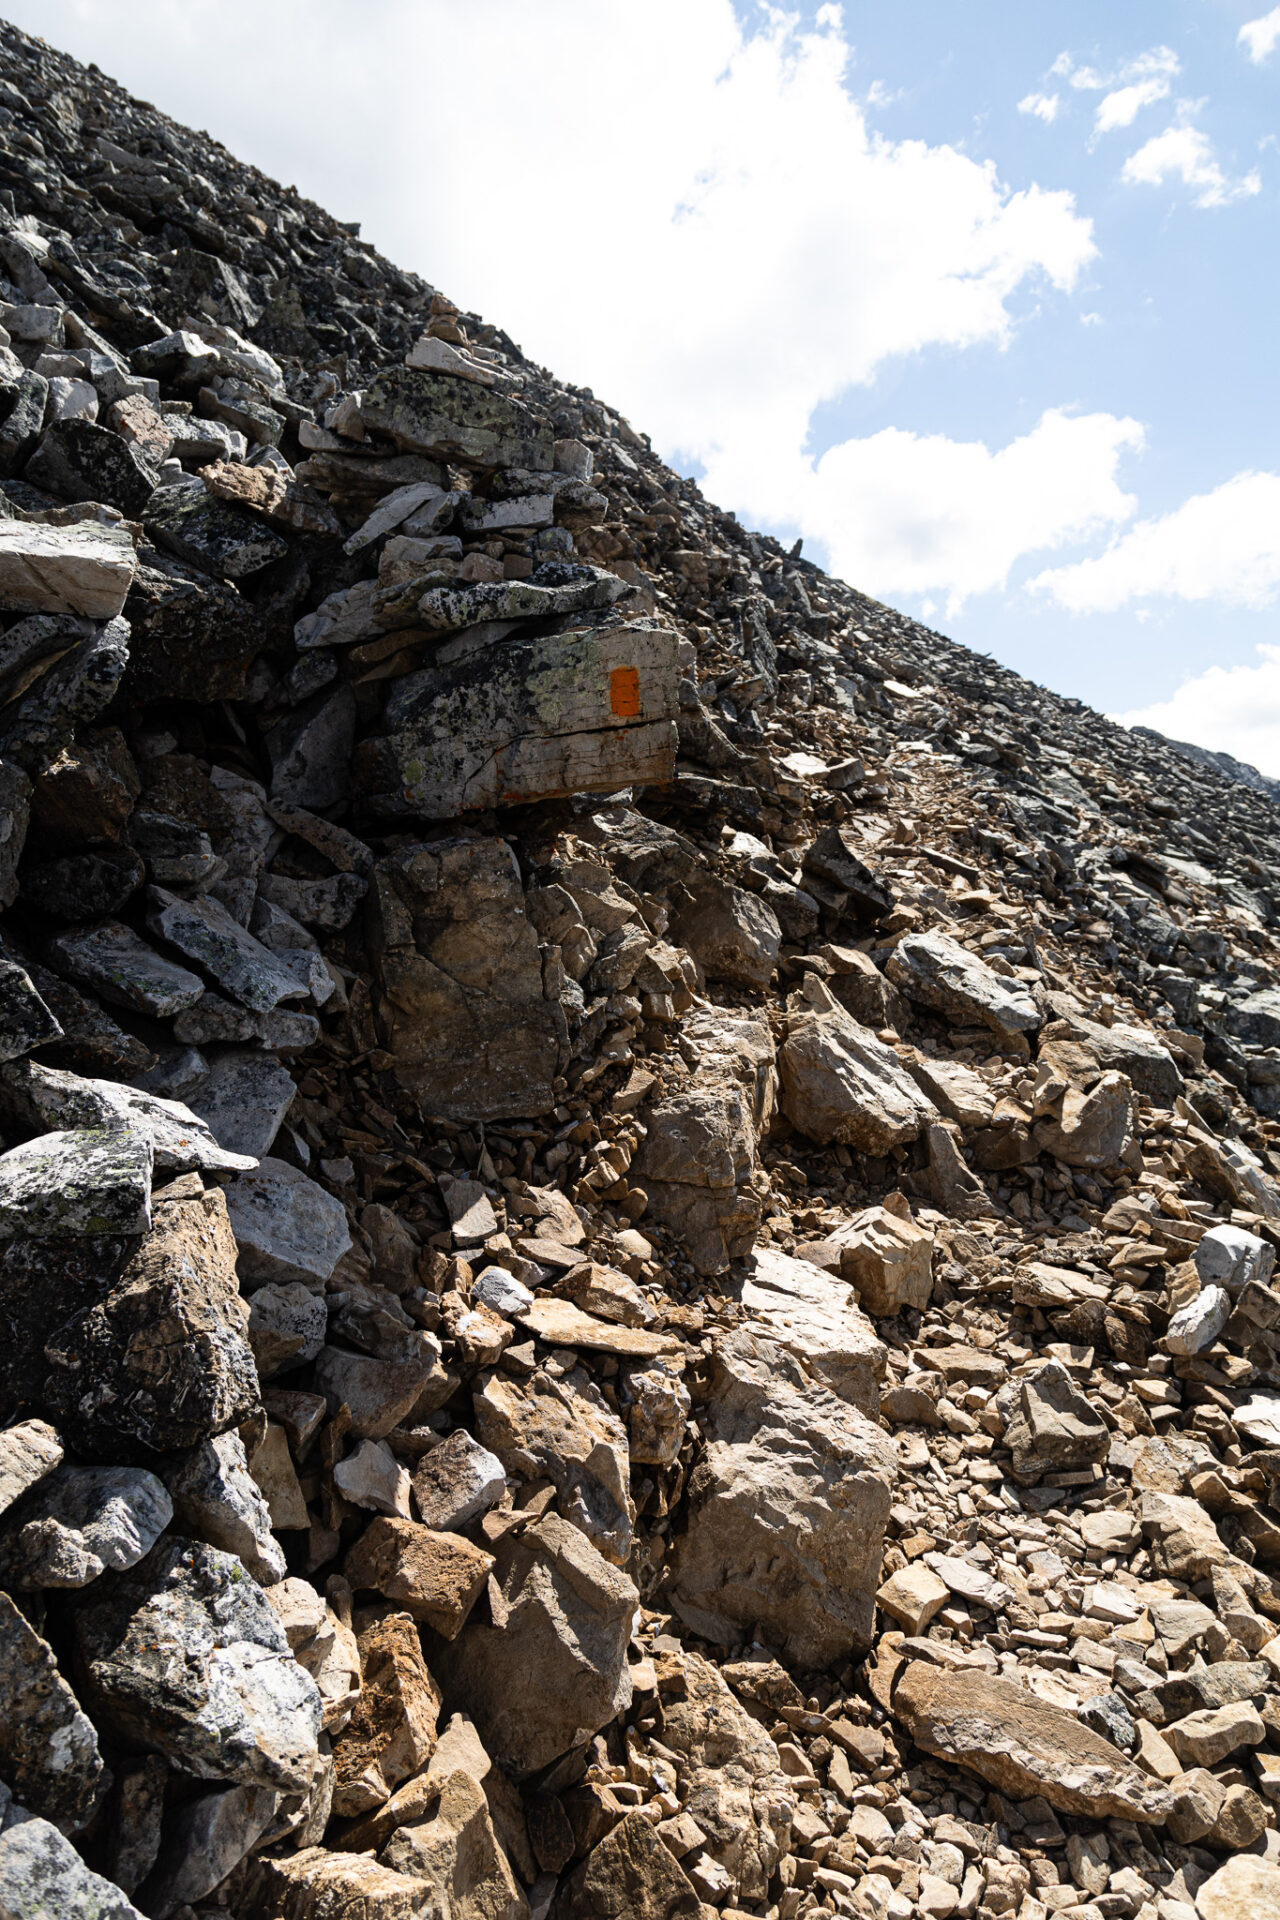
{"points": [[786, 1510], [839, 1083], [938, 973], [557, 1671], [185, 1657]]}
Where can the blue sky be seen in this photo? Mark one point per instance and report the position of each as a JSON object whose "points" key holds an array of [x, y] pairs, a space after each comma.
{"points": [[978, 299]]}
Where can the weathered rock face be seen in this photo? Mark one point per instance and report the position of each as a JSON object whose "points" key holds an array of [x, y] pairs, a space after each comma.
{"points": [[698, 1161], [841, 1084], [558, 1148], [556, 1671], [561, 1428], [787, 1510], [48, 1748], [162, 1361], [583, 711], [184, 1655], [938, 973], [460, 979]]}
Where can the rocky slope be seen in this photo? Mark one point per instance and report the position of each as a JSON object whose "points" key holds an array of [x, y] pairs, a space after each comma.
{"points": [[639, 1201]]}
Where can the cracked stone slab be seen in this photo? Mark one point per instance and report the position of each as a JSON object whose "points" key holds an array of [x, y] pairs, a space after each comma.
{"points": [[126, 972], [182, 1142], [206, 933], [243, 1102], [77, 1180], [286, 1226]]}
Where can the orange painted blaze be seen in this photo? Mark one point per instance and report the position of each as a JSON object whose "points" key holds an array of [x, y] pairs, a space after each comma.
{"points": [[624, 692]]}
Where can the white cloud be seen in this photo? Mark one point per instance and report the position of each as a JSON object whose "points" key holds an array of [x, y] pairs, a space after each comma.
{"points": [[691, 215], [1261, 37], [1187, 153], [1228, 709], [1223, 546], [1044, 106], [1122, 107], [905, 513]]}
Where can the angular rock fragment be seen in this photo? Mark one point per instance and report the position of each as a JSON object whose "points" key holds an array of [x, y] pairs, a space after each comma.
{"points": [[787, 1510], [629, 1876], [126, 972], [83, 1522], [25, 1021], [460, 981], [40, 1096], [204, 931], [287, 1227], [48, 1748], [457, 1852], [1021, 1745], [839, 1083], [562, 1429], [215, 1500], [814, 1316], [84, 569], [556, 1672], [184, 1655], [241, 1104], [456, 1482], [29, 1452], [42, 1877], [160, 1362], [936, 972], [436, 1577], [392, 1732]]}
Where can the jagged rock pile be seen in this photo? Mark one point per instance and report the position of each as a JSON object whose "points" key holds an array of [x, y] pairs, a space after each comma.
{"points": [[638, 1201]]}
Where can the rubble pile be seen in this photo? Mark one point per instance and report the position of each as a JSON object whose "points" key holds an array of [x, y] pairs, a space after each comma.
{"points": [[638, 1201]]}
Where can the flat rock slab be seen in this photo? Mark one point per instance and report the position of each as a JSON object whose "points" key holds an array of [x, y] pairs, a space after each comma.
{"points": [[435, 413], [125, 971], [286, 1226], [561, 1324], [243, 1103], [528, 719], [1022, 1746], [84, 569], [180, 1140], [81, 1180], [940, 974], [206, 933], [815, 1316]]}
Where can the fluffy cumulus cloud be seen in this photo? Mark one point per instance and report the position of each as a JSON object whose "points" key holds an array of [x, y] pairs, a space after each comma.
{"points": [[1222, 546], [690, 213], [1042, 106], [1127, 89], [904, 513], [1229, 709], [1261, 37], [1186, 153]]}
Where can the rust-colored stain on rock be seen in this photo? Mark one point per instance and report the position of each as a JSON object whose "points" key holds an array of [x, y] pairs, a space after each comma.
{"points": [[624, 692]]}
